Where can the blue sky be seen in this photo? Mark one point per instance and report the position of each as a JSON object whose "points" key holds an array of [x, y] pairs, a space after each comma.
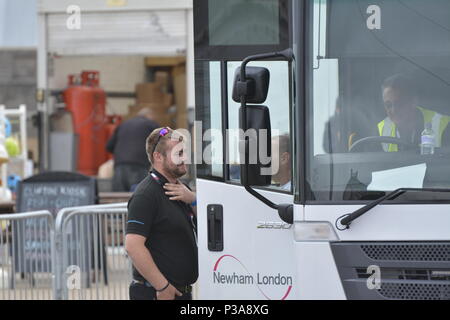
{"points": [[18, 23]]}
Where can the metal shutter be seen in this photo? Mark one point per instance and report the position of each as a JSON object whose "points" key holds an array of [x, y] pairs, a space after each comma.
{"points": [[106, 33]]}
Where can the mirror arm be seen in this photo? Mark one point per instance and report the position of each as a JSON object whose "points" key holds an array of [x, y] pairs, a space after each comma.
{"points": [[285, 211], [261, 197], [286, 54]]}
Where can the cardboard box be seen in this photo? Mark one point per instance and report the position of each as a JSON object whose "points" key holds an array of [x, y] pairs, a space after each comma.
{"points": [[161, 115], [163, 79], [168, 100], [182, 120], [176, 79], [179, 83], [151, 92], [165, 61], [156, 107], [164, 120]]}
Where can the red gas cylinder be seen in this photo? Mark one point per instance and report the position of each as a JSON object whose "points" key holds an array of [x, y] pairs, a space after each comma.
{"points": [[87, 104]]}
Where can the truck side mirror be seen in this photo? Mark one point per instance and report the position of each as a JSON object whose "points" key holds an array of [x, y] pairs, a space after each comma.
{"points": [[255, 146], [251, 85], [256, 87]]}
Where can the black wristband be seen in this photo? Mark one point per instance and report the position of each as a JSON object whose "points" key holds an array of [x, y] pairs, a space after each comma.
{"points": [[165, 287]]}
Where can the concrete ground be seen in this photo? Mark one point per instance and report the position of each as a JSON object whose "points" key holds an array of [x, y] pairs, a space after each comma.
{"points": [[39, 285]]}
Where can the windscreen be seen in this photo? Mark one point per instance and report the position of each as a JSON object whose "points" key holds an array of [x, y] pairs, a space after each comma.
{"points": [[235, 29], [380, 98], [249, 22]]}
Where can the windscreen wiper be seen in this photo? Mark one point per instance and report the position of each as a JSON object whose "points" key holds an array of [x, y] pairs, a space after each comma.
{"points": [[343, 222]]}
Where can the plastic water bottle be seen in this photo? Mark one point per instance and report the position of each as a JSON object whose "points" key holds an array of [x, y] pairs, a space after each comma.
{"points": [[428, 140]]}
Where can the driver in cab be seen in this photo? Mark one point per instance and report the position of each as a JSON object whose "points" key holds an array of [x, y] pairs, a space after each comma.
{"points": [[405, 118]]}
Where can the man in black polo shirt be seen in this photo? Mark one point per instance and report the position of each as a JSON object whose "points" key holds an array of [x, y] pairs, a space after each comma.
{"points": [[161, 239]]}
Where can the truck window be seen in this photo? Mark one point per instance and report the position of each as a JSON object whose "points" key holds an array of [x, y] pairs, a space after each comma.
{"points": [[381, 76], [234, 29], [209, 115], [278, 102]]}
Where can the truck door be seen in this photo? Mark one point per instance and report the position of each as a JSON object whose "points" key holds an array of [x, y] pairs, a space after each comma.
{"points": [[245, 250]]}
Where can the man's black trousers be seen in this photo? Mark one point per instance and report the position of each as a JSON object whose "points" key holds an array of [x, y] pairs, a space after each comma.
{"points": [[140, 291], [127, 177]]}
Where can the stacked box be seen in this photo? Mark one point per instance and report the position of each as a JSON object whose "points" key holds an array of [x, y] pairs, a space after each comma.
{"points": [[151, 95]]}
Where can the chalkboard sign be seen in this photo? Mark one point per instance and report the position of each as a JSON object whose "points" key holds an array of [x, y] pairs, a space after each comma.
{"points": [[54, 196], [50, 191], [54, 191]]}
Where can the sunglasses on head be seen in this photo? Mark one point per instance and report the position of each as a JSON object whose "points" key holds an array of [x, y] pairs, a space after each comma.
{"points": [[162, 133]]}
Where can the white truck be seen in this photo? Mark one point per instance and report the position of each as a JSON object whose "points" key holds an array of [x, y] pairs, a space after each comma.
{"points": [[351, 212]]}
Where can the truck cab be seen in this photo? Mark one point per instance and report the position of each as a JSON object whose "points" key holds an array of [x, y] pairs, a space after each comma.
{"points": [[350, 204]]}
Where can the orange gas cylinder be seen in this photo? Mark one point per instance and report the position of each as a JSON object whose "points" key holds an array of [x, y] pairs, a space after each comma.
{"points": [[87, 104]]}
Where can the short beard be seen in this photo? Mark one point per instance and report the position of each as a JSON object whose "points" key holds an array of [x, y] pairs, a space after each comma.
{"points": [[174, 172]]}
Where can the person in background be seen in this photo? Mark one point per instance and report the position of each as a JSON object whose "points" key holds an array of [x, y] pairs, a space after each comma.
{"points": [[281, 161], [405, 118], [127, 144]]}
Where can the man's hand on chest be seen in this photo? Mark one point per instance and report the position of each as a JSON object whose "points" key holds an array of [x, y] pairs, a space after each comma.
{"points": [[179, 192]]}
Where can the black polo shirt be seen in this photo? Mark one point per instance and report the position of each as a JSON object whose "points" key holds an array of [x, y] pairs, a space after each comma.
{"points": [[169, 230]]}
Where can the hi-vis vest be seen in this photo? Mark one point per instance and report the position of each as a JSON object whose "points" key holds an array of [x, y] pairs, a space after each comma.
{"points": [[438, 123]]}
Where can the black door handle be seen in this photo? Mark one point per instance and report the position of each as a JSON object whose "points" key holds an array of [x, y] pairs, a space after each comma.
{"points": [[215, 227]]}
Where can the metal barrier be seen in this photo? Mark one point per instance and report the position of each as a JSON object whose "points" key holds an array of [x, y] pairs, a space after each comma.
{"points": [[27, 256], [80, 256], [91, 262]]}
